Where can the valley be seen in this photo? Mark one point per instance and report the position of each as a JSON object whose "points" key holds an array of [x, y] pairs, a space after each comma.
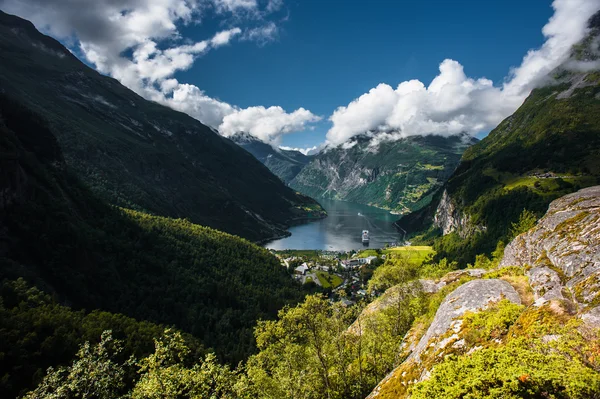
{"points": [[158, 242]]}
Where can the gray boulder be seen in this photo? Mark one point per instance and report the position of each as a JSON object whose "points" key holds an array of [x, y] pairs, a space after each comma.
{"points": [[473, 296], [561, 253]]}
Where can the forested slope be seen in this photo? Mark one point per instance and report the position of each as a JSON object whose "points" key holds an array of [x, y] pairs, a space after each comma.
{"points": [[57, 235]]}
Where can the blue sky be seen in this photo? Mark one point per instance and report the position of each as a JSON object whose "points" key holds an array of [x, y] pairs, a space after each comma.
{"points": [[304, 73], [330, 52]]}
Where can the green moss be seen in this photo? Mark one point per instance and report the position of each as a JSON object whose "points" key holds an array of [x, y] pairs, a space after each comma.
{"points": [[479, 328], [565, 226], [511, 372], [527, 364], [505, 271]]}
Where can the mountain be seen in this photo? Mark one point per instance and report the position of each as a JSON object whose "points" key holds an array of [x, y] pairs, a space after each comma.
{"points": [[401, 175], [285, 164], [138, 154], [61, 238], [548, 148]]}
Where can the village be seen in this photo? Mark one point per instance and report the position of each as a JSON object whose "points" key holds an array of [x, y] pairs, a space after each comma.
{"points": [[343, 275]]}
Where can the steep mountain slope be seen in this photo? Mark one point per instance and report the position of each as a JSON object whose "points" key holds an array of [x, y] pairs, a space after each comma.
{"points": [[60, 237], [283, 163], [549, 147], [483, 343], [139, 154], [400, 175]]}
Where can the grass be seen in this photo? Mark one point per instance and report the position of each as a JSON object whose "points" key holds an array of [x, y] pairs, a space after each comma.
{"points": [[512, 181], [305, 253], [416, 254], [328, 280]]}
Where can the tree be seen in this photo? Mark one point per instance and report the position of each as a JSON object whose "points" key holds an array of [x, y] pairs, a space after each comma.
{"points": [[163, 374], [94, 374], [527, 221]]}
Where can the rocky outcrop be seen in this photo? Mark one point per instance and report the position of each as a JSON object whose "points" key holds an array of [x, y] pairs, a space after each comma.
{"points": [[450, 218], [394, 295], [560, 257], [446, 217], [561, 253], [473, 296]]}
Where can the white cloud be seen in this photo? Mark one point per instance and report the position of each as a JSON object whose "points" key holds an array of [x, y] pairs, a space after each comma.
{"points": [[224, 37], [268, 124], [147, 30], [305, 151], [453, 102], [233, 5], [262, 34]]}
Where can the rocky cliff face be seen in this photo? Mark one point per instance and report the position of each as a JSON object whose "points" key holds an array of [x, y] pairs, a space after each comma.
{"points": [[450, 218], [561, 255], [401, 175]]}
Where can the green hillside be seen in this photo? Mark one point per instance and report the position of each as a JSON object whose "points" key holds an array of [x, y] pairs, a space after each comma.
{"points": [[401, 175], [36, 333], [548, 148], [138, 154], [60, 237], [285, 164]]}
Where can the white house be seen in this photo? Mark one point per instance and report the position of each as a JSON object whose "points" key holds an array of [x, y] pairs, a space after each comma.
{"points": [[368, 259], [302, 269], [346, 264]]}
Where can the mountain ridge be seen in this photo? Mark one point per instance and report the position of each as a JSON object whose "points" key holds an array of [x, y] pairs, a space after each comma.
{"points": [[285, 164], [139, 154], [547, 148], [399, 175]]}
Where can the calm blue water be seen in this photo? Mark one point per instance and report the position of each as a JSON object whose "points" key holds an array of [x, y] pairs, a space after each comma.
{"points": [[341, 229]]}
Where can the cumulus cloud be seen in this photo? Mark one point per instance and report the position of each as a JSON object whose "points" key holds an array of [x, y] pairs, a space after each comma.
{"points": [[453, 102], [138, 43], [306, 151], [267, 124]]}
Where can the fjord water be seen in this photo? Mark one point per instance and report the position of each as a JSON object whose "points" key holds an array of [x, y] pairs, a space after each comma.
{"points": [[341, 229]]}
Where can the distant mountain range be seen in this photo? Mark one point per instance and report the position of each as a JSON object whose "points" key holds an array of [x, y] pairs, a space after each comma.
{"points": [[138, 154], [400, 175], [286, 164]]}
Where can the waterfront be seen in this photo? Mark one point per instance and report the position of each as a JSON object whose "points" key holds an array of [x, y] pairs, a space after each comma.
{"points": [[341, 229]]}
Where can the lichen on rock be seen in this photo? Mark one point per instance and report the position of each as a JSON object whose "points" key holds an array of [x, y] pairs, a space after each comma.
{"points": [[561, 251]]}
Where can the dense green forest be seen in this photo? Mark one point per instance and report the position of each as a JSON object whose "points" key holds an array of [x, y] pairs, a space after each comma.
{"points": [[89, 255], [36, 333], [320, 349]]}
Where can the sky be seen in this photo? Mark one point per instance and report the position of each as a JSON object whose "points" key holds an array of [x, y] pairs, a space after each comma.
{"points": [[309, 73]]}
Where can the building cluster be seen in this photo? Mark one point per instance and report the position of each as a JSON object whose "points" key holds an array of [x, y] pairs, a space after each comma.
{"points": [[348, 270]]}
